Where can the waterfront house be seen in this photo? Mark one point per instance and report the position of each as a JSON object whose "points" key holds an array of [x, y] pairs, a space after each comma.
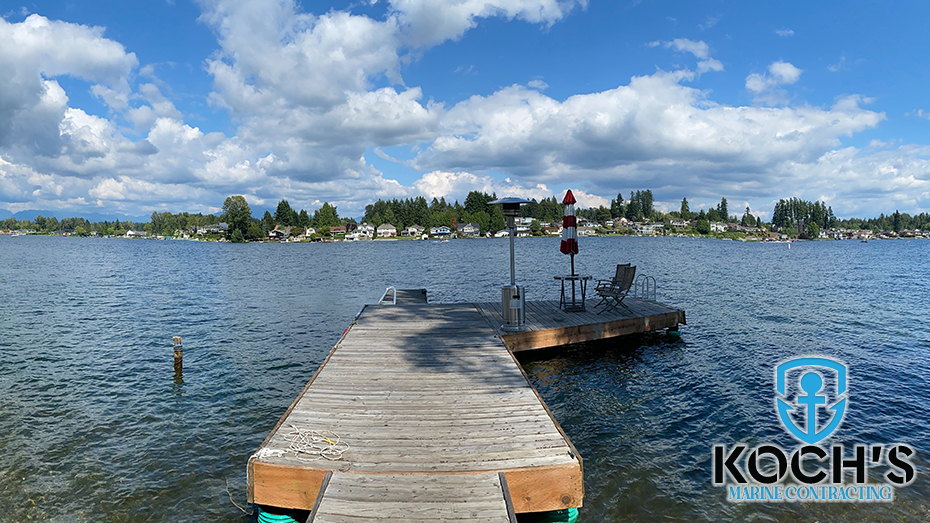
{"points": [[279, 233], [413, 231], [552, 231], [440, 231], [308, 232], [218, 228], [386, 230], [678, 223], [468, 230], [365, 231], [136, 234], [646, 228], [339, 229], [735, 227], [718, 227], [841, 234]]}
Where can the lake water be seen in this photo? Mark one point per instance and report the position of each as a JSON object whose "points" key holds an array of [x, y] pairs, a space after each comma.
{"points": [[95, 426]]}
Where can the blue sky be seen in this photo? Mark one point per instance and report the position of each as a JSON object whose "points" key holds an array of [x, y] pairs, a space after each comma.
{"points": [[131, 107]]}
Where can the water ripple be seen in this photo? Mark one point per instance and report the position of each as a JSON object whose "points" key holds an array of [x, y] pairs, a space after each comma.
{"points": [[95, 425]]}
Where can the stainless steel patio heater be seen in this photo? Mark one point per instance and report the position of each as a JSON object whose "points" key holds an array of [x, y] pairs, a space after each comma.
{"points": [[513, 300]]}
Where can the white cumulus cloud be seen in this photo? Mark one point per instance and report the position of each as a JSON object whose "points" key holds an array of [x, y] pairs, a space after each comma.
{"points": [[312, 94], [766, 87], [427, 22], [699, 49]]}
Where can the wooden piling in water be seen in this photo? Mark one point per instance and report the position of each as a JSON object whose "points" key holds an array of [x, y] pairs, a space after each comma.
{"points": [[178, 354]]}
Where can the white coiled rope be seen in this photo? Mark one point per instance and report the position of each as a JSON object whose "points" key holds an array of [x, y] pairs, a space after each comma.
{"points": [[316, 444], [309, 445]]}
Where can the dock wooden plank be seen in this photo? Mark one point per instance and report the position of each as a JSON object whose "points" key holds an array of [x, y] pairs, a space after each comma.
{"points": [[366, 498], [549, 326], [422, 389]]}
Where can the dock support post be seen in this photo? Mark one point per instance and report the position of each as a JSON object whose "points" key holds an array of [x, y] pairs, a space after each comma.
{"points": [[178, 354]]}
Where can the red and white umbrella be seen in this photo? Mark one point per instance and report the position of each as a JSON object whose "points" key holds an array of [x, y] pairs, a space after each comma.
{"points": [[569, 233], [569, 229]]}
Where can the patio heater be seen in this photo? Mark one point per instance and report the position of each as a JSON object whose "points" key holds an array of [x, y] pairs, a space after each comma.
{"points": [[513, 300]]}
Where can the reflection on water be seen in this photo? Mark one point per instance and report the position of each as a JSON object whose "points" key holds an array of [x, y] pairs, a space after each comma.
{"points": [[94, 425]]}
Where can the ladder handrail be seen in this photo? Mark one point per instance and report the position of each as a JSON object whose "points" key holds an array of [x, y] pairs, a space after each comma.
{"points": [[645, 287], [384, 296]]}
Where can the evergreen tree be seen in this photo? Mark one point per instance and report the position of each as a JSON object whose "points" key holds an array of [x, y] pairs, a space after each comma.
{"points": [[390, 218], [617, 209], [633, 212], [421, 211], [303, 219], [267, 222], [477, 201], [645, 203], [685, 210], [284, 215], [326, 216], [722, 210]]}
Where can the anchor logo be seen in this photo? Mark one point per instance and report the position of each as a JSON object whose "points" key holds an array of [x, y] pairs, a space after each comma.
{"points": [[811, 383]]}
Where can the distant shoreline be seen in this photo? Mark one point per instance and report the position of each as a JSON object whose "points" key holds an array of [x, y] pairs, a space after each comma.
{"points": [[717, 236]]}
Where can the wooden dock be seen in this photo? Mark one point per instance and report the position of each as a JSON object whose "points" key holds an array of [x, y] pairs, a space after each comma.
{"points": [[440, 419], [548, 326]]}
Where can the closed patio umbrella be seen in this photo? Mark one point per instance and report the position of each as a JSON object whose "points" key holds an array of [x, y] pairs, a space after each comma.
{"points": [[570, 236], [569, 231]]}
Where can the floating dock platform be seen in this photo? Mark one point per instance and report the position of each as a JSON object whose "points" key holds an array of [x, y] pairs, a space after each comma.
{"points": [[549, 326], [440, 420]]}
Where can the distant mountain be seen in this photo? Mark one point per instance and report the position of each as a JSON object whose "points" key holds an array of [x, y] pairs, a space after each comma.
{"points": [[89, 216], [258, 212]]}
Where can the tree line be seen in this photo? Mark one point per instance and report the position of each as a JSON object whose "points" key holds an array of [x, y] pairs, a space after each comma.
{"points": [[793, 215], [79, 226], [242, 226], [438, 212], [896, 222]]}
